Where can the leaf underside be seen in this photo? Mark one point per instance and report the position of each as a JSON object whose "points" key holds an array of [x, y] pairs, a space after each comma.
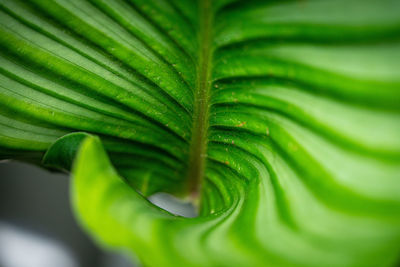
{"points": [[280, 118]]}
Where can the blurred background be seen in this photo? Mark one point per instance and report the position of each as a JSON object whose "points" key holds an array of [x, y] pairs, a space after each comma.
{"points": [[37, 226]]}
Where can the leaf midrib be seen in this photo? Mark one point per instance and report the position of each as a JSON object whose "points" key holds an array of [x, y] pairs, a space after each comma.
{"points": [[198, 145]]}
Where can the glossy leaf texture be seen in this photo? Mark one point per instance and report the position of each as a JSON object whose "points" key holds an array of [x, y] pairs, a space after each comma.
{"points": [[280, 118]]}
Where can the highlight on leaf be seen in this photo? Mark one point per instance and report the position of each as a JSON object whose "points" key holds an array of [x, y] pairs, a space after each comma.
{"points": [[279, 120]]}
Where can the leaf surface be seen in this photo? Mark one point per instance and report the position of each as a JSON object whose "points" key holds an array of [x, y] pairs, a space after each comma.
{"points": [[280, 119]]}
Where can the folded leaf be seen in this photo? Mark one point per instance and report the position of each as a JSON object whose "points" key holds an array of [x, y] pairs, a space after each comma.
{"points": [[279, 119]]}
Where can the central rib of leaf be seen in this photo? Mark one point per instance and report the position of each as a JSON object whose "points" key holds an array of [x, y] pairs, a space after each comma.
{"points": [[200, 120]]}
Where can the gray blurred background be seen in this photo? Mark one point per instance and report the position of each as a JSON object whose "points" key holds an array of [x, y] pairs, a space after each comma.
{"points": [[38, 229]]}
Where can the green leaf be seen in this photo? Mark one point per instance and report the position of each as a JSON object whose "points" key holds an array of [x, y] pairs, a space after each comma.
{"points": [[280, 120], [61, 153]]}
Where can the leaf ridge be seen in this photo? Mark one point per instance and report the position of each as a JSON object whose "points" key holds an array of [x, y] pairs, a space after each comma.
{"points": [[198, 146]]}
